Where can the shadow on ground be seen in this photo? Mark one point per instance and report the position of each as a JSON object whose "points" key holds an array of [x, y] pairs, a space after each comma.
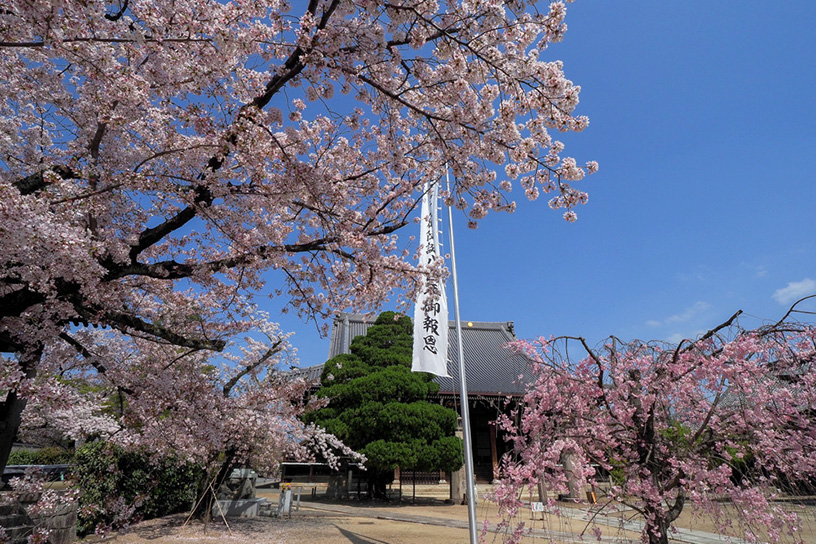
{"points": [[355, 538]]}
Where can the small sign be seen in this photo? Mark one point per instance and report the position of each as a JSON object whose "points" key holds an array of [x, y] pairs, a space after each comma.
{"points": [[537, 506]]}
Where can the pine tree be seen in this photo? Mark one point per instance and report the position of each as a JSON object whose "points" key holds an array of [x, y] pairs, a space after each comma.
{"points": [[378, 407]]}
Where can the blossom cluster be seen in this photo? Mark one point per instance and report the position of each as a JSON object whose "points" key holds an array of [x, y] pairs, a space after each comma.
{"points": [[119, 119], [193, 406], [31, 487]]}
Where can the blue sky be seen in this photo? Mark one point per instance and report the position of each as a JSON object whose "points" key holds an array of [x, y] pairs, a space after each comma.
{"points": [[703, 120]]}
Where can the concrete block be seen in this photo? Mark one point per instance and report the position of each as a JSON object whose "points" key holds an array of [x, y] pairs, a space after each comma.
{"points": [[239, 508]]}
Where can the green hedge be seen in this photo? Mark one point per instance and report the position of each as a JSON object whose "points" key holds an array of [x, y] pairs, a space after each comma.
{"points": [[110, 478], [46, 456]]}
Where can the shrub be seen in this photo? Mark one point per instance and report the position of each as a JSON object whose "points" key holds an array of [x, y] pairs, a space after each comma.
{"points": [[117, 486], [53, 455], [22, 457]]}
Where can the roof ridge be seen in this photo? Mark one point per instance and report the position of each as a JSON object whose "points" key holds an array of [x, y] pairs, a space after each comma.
{"points": [[492, 369], [370, 318]]}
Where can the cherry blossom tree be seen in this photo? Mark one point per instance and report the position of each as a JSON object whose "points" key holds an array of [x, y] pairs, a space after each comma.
{"points": [[214, 410], [161, 159], [727, 416]]}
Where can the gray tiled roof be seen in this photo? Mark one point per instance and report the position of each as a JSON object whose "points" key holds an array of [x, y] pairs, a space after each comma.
{"points": [[311, 374], [490, 368], [345, 328]]}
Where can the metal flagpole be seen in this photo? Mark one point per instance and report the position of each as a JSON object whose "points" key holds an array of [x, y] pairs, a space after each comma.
{"points": [[471, 487]]}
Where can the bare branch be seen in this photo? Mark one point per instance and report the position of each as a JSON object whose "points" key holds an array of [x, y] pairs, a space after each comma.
{"points": [[116, 16], [92, 359], [713, 331], [792, 309], [127, 322], [36, 182], [153, 235], [275, 348], [176, 270]]}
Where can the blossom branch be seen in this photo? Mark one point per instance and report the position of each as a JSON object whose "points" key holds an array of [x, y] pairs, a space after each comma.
{"points": [[275, 348]]}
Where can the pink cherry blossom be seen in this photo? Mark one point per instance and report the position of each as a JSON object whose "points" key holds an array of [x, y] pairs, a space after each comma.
{"points": [[726, 416], [164, 162]]}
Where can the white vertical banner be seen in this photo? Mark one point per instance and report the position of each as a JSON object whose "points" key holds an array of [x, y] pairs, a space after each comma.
{"points": [[431, 311]]}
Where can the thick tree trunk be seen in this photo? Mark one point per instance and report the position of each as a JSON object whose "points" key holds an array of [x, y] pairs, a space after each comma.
{"points": [[660, 518], [11, 409], [209, 485], [657, 525], [378, 483]]}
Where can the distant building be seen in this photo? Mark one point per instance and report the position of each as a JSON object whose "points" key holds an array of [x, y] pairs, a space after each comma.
{"points": [[494, 376]]}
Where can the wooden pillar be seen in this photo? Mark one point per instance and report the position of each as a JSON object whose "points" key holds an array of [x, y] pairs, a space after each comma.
{"points": [[397, 475], [542, 493], [494, 451]]}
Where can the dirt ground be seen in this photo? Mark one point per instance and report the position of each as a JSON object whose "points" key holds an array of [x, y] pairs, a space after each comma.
{"points": [[429, 520]]}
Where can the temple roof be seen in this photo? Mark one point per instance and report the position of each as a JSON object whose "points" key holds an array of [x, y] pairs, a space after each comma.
{"points": [[491, 369]]}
